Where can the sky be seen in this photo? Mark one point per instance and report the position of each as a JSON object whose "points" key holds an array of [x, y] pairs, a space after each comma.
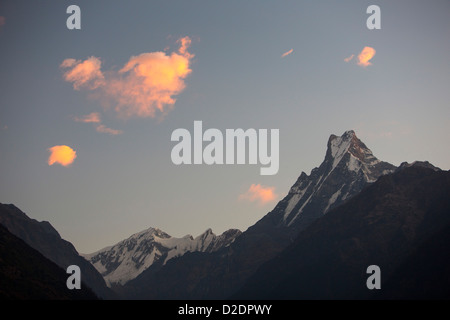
{"points": [[86, 115]]}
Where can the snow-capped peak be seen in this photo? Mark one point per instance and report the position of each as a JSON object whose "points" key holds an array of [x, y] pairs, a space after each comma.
{"points": [[347, 167], [339, 145]]}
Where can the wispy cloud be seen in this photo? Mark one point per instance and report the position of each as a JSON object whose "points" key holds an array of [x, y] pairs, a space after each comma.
{"points": [[185, 43], [260, 194], [62, 155], [145, 85], [103, 129], [349, 58], [93, 117], [287, 53], [365, 56]]}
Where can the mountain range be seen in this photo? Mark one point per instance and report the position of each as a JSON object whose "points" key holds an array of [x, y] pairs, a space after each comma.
{"points": [[348, 167], [350, 212], [127, 259]]}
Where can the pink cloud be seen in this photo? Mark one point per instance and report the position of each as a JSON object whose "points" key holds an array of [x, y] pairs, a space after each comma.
{"points": [[93, 117], [287, 53], [103, 129], [260, 194], [145, 85], [83, 73], [349, 58]]}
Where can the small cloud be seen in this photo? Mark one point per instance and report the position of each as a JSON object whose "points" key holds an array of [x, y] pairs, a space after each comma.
{"points": [[103, 129], [2, 21], [260, 194], [365, 56], [62, 155], [349, 58], [287, 53], [93, 117]]}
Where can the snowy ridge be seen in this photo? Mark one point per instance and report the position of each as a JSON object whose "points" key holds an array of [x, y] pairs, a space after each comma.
{"points": [[127, 259], [333, 199], [339, 146], [297, 195]]}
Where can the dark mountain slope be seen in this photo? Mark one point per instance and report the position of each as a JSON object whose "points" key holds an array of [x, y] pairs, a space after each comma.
{"points": [[27, 274], [401, 216], [425, 274], [45, 239]]}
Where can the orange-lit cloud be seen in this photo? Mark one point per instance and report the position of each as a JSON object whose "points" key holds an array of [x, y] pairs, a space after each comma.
{"points": [[2, 21], [260, 194], [349, 58], [147, 83], [62, 155], [85, 73], [287, 53], [93, 117], [365, 56], [103, 129]]}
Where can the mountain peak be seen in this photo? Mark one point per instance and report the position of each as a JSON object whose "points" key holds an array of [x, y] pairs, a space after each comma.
{"points": [[208, 231], [349, 132], [356, 154], [347, 135], [348, 166], [339, 145]]}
